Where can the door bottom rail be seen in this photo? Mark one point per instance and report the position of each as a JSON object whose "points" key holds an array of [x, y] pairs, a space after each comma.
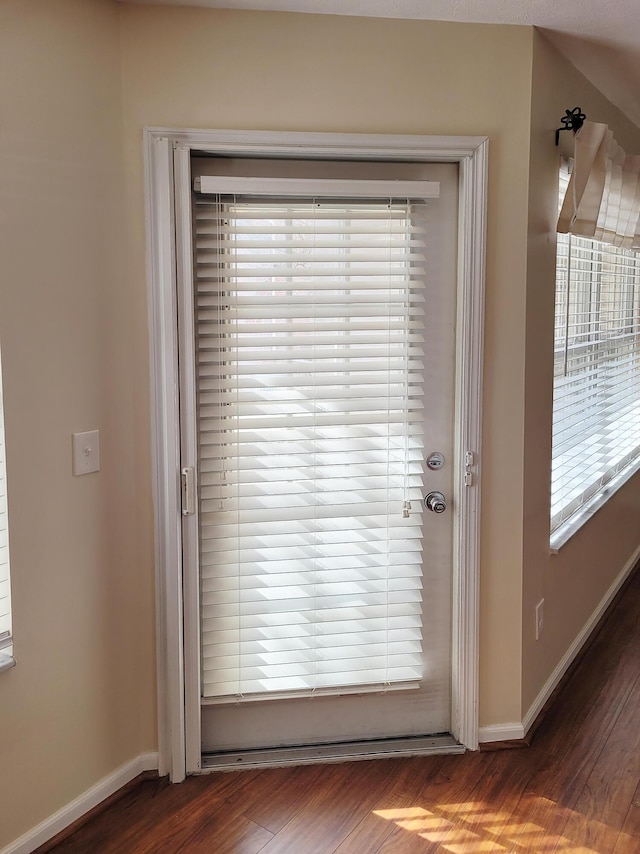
{"points": [[351, 751]]}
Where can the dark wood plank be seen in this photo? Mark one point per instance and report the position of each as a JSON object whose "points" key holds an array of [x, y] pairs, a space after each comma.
{"points": [[333, 812], [155, 815], [443, 810], [228, 838], [486, 821], [630, 833], [398, 801], [601, 809], [133, 789], [290, 791]]}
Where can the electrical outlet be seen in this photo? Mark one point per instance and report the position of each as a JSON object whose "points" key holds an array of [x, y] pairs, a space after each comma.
{"points": [[86, 452], [539, 619]]}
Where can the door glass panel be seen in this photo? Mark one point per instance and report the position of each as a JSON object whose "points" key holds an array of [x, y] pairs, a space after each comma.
{"points": [[310, 319]]}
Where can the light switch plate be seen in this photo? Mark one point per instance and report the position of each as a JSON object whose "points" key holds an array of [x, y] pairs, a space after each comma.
{"points": [[86, 452]]}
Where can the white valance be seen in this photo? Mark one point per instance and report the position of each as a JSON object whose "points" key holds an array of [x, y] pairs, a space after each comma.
{"points": [[603, 197]]}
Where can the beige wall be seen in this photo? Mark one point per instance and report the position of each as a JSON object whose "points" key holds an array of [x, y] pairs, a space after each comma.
{"points": [[80, 701], [219, 69], [78, 82], [573, 582]]}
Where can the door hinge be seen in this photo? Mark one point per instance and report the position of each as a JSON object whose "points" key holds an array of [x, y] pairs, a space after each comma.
{"points": [[187, 482], [469, 462]]}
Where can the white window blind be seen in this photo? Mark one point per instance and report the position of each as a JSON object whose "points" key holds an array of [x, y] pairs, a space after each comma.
{"points": [[603, 197], [596, 407], [5, 589], [309, 320]]}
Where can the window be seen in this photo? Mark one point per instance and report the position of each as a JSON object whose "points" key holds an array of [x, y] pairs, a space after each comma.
{"points": [[309, 319], [6, 648], [596, 400]]}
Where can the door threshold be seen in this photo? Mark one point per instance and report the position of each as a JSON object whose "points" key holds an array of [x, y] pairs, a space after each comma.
{"points": [[351, 751]]}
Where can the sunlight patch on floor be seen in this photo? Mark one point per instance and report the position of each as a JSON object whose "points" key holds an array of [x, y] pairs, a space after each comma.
{"points": [[446, 826]]}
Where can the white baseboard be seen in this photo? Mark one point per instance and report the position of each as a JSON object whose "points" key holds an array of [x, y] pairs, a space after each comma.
{"points": [[500, 732], [553, 681], [516, 731], [88, 800]]}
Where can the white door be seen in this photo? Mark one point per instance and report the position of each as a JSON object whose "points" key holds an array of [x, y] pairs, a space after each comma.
{"points": [[323, 366]]}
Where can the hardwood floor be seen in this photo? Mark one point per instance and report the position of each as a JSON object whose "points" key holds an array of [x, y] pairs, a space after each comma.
{"points": [[576, 789]]}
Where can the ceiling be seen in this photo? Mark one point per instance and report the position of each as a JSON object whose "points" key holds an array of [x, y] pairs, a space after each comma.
{"points": [[600, 37]]}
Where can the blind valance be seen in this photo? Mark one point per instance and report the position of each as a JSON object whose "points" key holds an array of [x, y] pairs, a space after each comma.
{"points": [[603, 197]]}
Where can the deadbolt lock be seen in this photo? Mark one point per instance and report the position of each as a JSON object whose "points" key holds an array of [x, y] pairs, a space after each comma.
{"points": [[435, 461]]}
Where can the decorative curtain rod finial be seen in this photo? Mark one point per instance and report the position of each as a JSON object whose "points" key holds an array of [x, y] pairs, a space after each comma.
{"points": [[572, 120]]}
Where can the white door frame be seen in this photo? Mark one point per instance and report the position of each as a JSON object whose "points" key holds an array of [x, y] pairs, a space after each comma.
{"points": [[167, 153]]}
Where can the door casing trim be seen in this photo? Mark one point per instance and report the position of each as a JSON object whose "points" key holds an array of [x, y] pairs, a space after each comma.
{"points": [[167, 152]]}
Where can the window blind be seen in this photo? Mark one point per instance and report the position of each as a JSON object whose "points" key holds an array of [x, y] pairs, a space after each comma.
{"points": [[603, 197], [596, 408], [309, 319], [5, 591]]}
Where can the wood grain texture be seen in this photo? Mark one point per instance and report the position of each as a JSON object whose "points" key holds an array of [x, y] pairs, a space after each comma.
{"points": [[575, 790]]}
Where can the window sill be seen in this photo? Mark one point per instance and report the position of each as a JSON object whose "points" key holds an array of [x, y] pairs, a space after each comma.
{"points": [[561, 536], [6, 661]]}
